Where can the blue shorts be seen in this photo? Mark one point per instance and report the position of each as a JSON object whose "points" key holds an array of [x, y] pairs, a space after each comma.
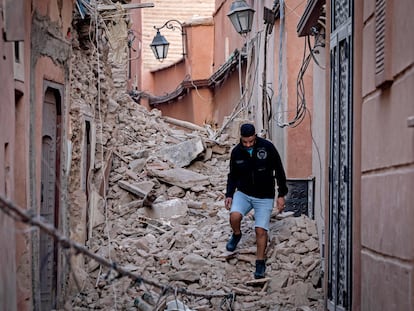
{"points": [[244, 203]]}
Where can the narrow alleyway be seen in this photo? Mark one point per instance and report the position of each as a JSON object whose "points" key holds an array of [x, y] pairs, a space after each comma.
{"points": [[114, 160], [156, 208], [179, 242]]}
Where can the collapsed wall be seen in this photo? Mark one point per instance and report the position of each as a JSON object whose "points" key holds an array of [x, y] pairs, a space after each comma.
{"points": [[94, 81]]}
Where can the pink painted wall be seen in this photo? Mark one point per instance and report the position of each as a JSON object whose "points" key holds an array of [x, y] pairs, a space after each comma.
{"points": [[299, 139], [226, 38], [200, 44], [383, 161], [21, 93], [23, 241], [225, 97], [197, 104], [386, 162], [166, 80], [50, 69], [7, 145]]}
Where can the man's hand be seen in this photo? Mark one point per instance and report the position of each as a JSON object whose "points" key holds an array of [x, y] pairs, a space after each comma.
{"points": [[227, 203], [280, 203]]}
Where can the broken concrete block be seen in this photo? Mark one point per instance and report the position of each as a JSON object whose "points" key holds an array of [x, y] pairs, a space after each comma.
{"points": [[139, 189], [137, 165], [196, 260], [132, 175], [198, 188], [219, 149], [168, 209], [146, 186], [181, 177], [176, 192], [208, 154], [188, 276], [140, 154], [312, 244], [177, 305], [184, 153], [279, 280], [197, 204]]}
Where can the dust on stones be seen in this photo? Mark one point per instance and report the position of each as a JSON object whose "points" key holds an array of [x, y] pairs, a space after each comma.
{"points": [[162, 217], [156, 208]]}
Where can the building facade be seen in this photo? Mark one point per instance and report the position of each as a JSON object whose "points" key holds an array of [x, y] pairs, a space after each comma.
{"points": [[35, 49], [366, 123]]}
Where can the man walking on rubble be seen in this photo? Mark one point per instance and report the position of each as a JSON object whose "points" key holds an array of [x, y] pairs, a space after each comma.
{"points": [[254, 165]]}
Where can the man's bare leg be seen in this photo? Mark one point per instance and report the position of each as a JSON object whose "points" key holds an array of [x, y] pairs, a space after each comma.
{"points": [[235, 222], [261, 243]]}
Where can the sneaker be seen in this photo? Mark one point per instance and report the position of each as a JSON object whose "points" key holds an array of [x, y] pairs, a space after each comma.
{"points": [[260, 269], [232, 243]]}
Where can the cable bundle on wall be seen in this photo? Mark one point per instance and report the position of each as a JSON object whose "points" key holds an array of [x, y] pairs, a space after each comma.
{"points": [[301, 108]]}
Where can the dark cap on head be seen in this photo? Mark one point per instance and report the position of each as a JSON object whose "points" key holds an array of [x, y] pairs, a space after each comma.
{"points": [[247, 130]]}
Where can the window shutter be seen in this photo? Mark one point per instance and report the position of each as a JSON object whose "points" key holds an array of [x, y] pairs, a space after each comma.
{"points": [[383, 74]]}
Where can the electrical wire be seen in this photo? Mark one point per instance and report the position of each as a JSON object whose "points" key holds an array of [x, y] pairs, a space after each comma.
{"points": [[189, 79], [313, 49], [301, 108]]}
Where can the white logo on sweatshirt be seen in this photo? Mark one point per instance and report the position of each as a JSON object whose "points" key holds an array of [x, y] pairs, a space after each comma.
{"points": [[261, 154]]}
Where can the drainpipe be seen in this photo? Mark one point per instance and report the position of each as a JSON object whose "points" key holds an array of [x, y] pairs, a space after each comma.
{"points": [[265, 102]]}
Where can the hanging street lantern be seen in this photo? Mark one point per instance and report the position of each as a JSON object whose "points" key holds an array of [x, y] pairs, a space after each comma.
{"points": [[241, 16], [159, 46]]}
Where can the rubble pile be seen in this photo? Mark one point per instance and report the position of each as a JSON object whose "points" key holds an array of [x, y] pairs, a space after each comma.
{"points": [[155, 206], [158, 211]]}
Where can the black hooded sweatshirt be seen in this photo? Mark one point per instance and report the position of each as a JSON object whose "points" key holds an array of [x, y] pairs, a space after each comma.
{"points": [[255, 175]]}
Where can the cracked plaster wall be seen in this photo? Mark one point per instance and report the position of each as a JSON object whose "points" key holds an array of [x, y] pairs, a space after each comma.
{"points": [[97, 88]]}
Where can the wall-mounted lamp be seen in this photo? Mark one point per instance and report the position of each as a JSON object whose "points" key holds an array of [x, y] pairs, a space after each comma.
{"points": [[160, 45], [241, 16]]}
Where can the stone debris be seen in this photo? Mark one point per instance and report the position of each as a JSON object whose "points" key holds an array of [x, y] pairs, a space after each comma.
{"points": [[156, 208], [177, 238], [182, 153]]}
